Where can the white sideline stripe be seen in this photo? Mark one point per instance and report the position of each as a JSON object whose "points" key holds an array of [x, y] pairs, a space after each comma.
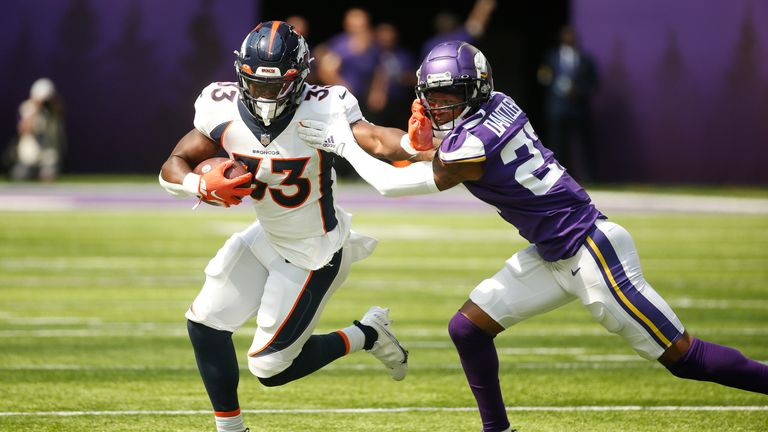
{"points": [[165, 331], [581, 363], [24, 203], [69, 264], [66, 197], [633, 363], [398, 410]]}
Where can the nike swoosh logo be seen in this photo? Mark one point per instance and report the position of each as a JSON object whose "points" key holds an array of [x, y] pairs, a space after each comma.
{"points": [[343, 95], [573, 272]]}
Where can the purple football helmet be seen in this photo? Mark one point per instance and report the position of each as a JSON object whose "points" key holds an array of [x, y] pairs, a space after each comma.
{"points": [[459, 68]]}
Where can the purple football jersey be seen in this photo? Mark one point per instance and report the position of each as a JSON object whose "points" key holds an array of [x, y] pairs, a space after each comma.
{"points": [[521, 178]]}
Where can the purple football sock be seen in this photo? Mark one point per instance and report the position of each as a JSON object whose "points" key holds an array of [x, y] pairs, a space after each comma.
{"points": [[481, 366], [705, 361]]}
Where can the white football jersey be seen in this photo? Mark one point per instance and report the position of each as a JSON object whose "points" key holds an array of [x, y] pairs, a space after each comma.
{"points": [[295, 184]]}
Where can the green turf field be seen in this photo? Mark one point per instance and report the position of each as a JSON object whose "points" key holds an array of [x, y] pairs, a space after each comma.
{"points": [[93, 337]]}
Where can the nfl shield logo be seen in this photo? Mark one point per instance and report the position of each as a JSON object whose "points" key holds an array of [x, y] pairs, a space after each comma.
{"points": [[265, 139]]}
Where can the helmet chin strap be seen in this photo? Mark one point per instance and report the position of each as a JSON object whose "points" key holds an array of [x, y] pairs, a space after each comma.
{"points": [[439, 131], [269, 111], [265, 114]]}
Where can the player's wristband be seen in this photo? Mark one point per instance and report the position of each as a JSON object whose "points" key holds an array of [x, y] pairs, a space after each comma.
{"points": [[188, 187], [191, 184], [405, 143]]}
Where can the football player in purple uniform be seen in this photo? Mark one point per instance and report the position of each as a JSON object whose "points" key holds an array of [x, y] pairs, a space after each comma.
{"points": [[282, 268], [487, 143]]}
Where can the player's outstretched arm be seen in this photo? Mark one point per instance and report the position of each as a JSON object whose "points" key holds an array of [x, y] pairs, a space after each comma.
{"points": [[415, 179], [392, 144], [388, 143], [385, 142]]}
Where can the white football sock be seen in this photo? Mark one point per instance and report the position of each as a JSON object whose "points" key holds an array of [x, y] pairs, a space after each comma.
{"points": [[355, 337], [230, 424]]}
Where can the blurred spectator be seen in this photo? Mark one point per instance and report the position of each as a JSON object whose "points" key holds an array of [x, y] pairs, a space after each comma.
{"points": [[352, 57], [570, 77], [300, 25], [448, 26], [36, 152], [393, 83]]}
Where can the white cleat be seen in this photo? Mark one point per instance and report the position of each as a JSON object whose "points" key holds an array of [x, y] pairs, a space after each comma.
{"points": [[386, 348]]}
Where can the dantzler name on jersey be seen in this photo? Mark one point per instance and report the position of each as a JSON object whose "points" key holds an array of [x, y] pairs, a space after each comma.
{"points": [[521, 178]]}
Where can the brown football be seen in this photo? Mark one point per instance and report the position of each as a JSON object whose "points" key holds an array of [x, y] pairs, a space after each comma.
{"points": [[237, 169]]}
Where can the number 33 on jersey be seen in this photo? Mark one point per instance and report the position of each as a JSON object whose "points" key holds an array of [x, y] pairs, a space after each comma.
{"points": [[294, 183]]}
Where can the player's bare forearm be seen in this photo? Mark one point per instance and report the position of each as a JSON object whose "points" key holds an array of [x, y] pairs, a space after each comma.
{"points": [[194, 147], [450, 175], [423, 156], [384, 142]]}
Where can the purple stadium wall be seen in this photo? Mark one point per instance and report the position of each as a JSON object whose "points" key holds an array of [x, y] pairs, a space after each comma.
{"points": [[128, 71], [684, 89], [683, 96]]}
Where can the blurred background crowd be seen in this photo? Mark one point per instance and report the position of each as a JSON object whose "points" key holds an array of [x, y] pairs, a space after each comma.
{"points": [[621, 91]]}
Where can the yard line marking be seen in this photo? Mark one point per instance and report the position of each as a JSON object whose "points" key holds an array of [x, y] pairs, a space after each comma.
{"points": [[87, 333], [70, 263], [690, 303], [637, 363], [64, 367], [608, 363], [164, 330], [395, 410], [51, 320], [504, 234]]}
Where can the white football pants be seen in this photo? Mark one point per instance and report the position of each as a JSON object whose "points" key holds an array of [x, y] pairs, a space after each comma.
{"points": [[247, 278], [605, 275]]}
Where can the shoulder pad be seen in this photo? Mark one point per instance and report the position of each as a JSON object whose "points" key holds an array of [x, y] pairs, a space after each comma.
{"points": [[332, 101], [216, 104], [462, 147]]}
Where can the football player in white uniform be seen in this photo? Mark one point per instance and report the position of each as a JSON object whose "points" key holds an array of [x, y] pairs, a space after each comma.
{"points": [[284, 267]]}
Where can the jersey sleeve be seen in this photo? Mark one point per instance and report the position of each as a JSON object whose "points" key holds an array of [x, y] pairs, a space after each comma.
{"points": [[215, 108], [349, 104], [328, 103], [462, 147]]}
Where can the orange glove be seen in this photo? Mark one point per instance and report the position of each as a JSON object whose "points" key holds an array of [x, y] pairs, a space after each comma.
{"points": [[419, 128], [215, 188]]}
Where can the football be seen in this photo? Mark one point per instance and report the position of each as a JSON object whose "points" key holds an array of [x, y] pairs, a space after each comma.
{"points": [[237, 169]]}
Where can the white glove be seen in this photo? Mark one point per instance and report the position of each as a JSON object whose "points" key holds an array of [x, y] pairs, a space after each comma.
{"points": [[330, 137]]}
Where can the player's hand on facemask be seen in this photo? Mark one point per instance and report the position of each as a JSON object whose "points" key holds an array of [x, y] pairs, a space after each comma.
{"points": [[217, 188], [419, 128], [331, 137]]}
